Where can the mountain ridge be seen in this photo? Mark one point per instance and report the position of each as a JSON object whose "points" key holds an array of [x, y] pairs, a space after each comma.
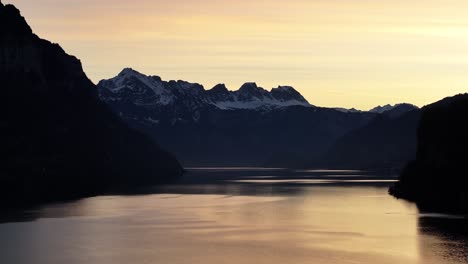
{"points": [[163, 93], [59, 141], [394, 110], [260, 134], [218, 127], [387, 141]]}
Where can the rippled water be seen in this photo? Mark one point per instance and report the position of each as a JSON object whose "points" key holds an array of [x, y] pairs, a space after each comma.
{"points": [[239, 216]]}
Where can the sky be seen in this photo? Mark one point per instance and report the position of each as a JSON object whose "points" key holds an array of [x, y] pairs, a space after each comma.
{"points": [[346, 53]]}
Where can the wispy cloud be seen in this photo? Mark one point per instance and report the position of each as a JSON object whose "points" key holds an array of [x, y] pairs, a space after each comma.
{"points": [[374, 52]]}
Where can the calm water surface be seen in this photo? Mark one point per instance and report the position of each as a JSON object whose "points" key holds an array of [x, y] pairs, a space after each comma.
{"points": [[239, 216]]}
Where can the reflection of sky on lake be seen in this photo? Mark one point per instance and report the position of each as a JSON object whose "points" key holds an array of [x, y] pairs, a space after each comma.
{"points": [[237, 222]]}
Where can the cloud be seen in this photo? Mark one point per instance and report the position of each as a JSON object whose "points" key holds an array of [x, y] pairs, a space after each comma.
{"points": [[323, 48]]}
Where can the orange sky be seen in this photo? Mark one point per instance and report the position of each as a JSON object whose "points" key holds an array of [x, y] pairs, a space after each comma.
{"points": [[349, 53]]}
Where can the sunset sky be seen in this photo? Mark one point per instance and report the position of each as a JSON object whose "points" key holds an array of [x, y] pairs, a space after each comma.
{"points": [[348, 53]]}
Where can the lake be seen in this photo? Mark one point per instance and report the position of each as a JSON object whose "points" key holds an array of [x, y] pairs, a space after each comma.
{"points": [[239, 215]]}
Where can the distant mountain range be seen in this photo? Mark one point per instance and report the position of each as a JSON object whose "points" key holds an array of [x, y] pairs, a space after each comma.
{"points": [[388, 141], [58, 140], [391, 110], [394, 111], [151, 92], [250, 126]]}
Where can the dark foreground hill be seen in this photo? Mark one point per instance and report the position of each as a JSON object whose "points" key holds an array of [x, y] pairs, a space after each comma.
{"points": [[58, 141], [438, 178]]}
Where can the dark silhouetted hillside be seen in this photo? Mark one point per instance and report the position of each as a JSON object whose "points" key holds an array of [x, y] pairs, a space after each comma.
{"points": [[385, 142], [438, 178], [58, 141]]}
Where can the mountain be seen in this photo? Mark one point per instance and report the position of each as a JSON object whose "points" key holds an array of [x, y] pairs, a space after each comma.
{"points": [[381, 109], [218, 127], [346, 110], [59, 141], [437, 178], [385, 142], [394, 111], [391, 111], [256, 127], [130, 86]]}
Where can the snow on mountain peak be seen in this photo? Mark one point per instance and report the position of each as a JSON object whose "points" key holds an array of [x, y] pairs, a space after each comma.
{"points": [[131, 85]]}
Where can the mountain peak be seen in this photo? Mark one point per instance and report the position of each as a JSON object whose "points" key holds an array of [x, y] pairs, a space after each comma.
{"points": [[388, 107], [128, 71], [249, 86], [250, 92], [38, 78], [285, 88], [288, 93], [12, 22], [132, 86], [220, 88], [380, 109], [394, 110], [23, 51]]}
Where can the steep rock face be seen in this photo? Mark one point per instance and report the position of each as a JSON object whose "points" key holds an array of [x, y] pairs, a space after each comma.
{"points": [[58, 140], [438, 178]]}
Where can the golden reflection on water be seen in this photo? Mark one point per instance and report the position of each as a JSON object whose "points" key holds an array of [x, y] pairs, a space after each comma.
{"points": [[337, 221], [313, 225], [313, 181]]}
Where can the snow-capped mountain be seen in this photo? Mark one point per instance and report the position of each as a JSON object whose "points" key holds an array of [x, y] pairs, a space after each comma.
{"points": [[218, 127], [152, 92]]}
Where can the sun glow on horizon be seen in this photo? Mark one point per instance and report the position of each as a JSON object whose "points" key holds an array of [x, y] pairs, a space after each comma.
{"points": [[354, 53]]}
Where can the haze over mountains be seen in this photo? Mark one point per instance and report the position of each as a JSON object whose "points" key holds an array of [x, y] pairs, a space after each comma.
{"points": [[247, 127]]}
